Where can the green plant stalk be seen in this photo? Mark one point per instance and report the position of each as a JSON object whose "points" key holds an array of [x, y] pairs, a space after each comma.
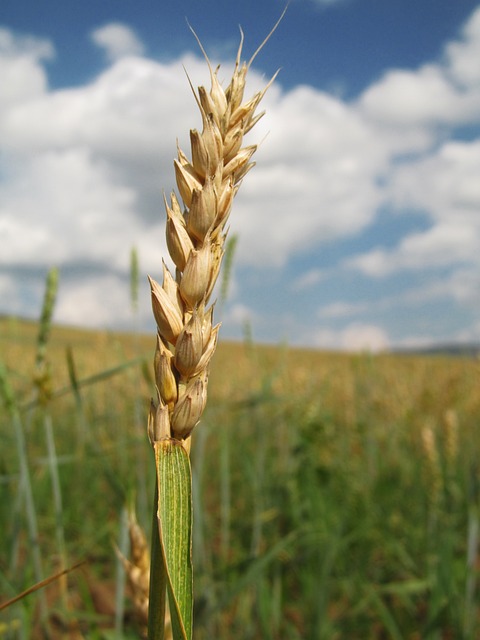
{"points": [[120, 574], [43, 383], [42, 374], [7, 392], [57, 499], [46, 315], [81, 420], [225, 497], [470, 587]]}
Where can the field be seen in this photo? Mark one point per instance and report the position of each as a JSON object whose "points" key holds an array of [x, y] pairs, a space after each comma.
{"points": [[335, 496]]}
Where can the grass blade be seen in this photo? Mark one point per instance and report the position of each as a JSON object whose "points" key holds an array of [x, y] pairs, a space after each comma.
{"points": [[6, 392]]}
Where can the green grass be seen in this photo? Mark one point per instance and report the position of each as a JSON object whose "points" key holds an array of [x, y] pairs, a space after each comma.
{"points": [[317, 511]]}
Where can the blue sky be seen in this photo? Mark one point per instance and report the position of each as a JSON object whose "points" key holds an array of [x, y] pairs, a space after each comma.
{"points": [[366, 191]]}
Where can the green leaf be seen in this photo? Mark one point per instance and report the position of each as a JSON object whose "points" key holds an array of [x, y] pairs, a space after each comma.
{"points": [[174, 482]]}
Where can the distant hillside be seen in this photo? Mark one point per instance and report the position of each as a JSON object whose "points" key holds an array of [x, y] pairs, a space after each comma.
{"points": [[29, 327], [471, 350]]}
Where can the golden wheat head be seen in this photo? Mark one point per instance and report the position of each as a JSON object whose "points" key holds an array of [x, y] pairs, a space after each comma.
{"points": [[195, 232]]}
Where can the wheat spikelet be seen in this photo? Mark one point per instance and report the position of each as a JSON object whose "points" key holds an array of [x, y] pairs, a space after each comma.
{"points": [[451, 428], [195, 233], [137, 569], [433, 466]]}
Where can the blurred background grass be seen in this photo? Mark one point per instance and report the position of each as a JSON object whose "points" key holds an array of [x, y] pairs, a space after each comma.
{"points": [[335, 495]]}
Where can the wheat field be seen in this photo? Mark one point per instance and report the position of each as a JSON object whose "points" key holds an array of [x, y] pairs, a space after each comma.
{"points": [[336, 495]]}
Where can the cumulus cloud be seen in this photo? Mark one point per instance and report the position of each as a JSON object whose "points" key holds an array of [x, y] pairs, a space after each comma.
{"points": [[463, 54], [444, 183], [14, 47], [82, 304], [117, 40], [313, 176], [446, 187], [445, 93], [88, 212], [425, 97], [23, 76]]}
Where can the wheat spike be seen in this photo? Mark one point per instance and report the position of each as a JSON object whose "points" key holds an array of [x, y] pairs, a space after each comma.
{"points": [[433, 466], [137, 568], [195, 234]]}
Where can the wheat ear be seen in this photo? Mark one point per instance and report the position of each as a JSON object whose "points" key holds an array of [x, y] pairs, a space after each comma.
{"points": [[207, 184]]}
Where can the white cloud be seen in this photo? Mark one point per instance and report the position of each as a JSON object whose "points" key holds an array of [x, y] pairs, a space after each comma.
{"points": [[463, 54], [354, 337], [341, 309], [19, 46], [239, 315], [364, 337], [446, 186], [440, 246], [117, 40], [439, 93], [425, 97], [23, 77], [445, 183], [308, 279], [63, 206], [123, 114], [81, 304], [314, 181]]}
